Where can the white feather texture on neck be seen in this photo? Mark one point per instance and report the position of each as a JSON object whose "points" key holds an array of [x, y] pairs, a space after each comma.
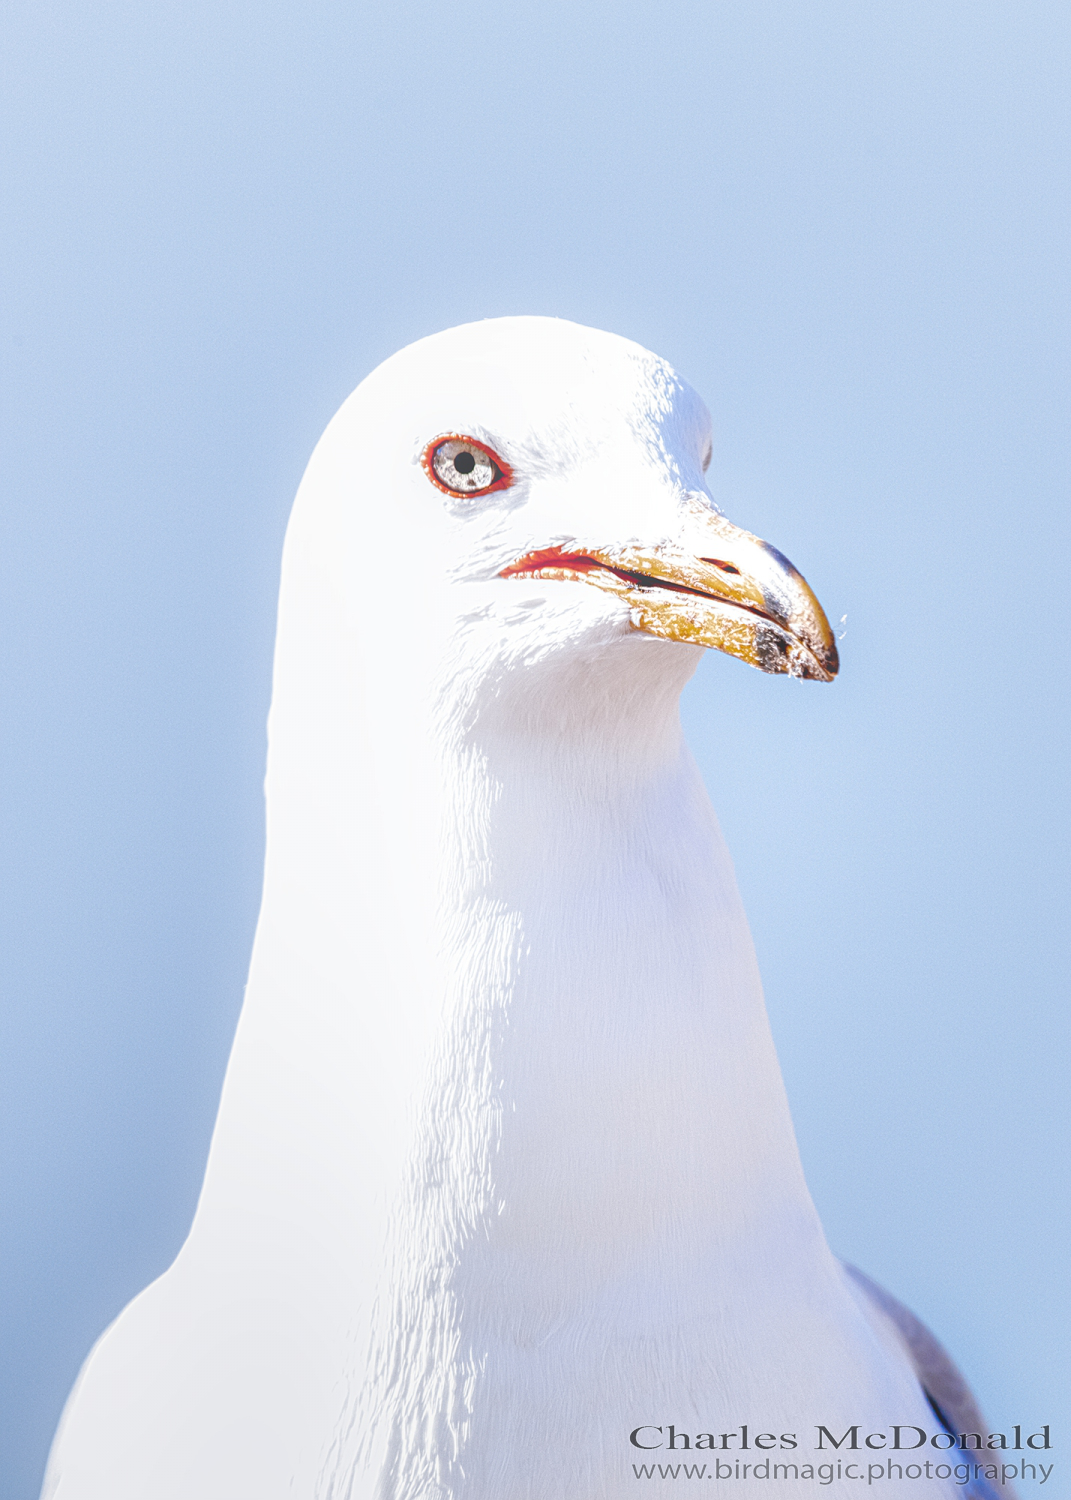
{"points": [[503, 1166]]}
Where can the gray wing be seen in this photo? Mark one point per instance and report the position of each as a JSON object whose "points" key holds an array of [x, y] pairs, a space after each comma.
{"points": [[945, 1388]]}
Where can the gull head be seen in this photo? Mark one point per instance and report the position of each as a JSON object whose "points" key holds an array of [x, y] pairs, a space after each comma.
{"points": [[525, 489]]}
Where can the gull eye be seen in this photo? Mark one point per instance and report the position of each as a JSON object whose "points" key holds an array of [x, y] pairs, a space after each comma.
{"points": [[461, 466]]}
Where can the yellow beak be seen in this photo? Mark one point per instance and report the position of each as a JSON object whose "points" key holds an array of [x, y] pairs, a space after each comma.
{"points": [[718, 586]]}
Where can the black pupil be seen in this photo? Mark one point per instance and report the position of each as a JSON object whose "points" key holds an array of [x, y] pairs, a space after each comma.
{"points": [[464, 463]]}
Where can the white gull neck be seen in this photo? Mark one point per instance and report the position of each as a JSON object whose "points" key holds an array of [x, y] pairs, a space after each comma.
{"points": [[628, 1059], [528, 865]]}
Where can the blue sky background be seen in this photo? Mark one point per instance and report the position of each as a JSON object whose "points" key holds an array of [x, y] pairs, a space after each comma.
{"points": [[847, 225]]}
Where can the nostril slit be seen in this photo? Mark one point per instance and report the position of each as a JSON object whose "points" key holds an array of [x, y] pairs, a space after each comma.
{"points": [[722, 567]]}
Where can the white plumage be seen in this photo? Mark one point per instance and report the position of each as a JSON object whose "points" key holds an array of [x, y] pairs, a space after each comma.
{"points": [[503, 1167]]}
